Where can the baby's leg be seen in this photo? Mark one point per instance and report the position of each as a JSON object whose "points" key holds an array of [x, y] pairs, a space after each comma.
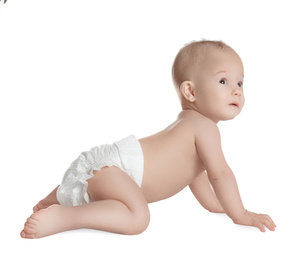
{"points": [[46, 202], [118, 206]]}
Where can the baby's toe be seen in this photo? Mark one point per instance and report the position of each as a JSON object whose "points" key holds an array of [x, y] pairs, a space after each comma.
{"points": [[23, 234], [28, 232], [40, 205], [32, 220], [29, 229], [35, 209]]}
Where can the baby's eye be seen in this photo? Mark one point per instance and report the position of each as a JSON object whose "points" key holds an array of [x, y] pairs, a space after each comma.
{"points": [[240, 84], [223, 81]]}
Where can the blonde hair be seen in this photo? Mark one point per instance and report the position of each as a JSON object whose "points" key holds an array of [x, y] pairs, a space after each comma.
{"points": [[190, 56]]}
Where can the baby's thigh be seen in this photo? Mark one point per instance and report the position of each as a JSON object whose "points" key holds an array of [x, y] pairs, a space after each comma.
{"points": [[111, 183]]}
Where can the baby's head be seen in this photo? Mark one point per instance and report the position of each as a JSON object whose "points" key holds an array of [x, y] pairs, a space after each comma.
{"points": [[208, 77]]}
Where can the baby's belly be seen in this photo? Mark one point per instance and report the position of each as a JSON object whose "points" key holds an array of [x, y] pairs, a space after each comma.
{"points": [[165, 180]]}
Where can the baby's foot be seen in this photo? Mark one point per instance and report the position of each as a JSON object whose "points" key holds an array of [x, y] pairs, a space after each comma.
{"points": [[43, 204], [45, 222], [47, 202]]}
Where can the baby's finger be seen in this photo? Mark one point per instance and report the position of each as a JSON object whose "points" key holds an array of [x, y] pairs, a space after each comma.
{"points": [[269, 225], [268, 218], [271, 220], [260, 226], [265, 216]]}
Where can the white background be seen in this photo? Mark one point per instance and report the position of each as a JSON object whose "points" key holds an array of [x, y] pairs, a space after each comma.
{"points": [[76, 74]]}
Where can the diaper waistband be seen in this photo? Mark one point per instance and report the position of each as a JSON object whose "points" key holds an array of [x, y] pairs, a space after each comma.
{"points": [[131, 154]]}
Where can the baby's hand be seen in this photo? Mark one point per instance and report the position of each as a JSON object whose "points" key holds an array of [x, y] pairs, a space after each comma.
{"points": [[256, 220]]}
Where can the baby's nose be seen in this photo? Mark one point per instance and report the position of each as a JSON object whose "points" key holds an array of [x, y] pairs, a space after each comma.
{"points": [[237, 92]]}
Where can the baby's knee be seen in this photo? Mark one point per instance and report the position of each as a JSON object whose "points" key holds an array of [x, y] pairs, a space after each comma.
{"points": [[139, 223]]}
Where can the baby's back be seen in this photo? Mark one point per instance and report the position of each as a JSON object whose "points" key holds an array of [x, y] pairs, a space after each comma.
{"points": [[171, 161]]}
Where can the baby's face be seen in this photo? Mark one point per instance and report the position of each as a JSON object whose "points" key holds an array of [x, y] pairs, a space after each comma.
{"points": [[219, 86]]}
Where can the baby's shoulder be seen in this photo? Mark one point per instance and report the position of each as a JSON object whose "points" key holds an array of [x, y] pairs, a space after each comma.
{"points": [[206, 134]]}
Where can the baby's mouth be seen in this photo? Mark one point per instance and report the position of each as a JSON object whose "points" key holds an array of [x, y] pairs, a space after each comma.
{"points": [[234, 104]]}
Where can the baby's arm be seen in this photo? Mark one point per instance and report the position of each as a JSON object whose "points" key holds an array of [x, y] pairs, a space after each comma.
{"points": [[203, 192], [222, 179]]}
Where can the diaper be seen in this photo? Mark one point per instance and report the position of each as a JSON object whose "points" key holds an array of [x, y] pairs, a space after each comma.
{"points": [[125, 154]]}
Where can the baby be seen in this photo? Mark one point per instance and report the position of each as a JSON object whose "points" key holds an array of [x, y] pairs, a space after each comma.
{"points": [[109, 187]]}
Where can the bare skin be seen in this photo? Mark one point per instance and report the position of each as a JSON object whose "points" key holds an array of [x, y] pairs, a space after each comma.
{"points": [[188, 152], [116, 194]]}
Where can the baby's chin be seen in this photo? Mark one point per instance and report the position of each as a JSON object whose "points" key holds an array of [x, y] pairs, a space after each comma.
{"points": [[222, 116], [227, 117]]}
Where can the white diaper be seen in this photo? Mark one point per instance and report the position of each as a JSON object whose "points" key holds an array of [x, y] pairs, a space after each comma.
{"points": [[125, 154]]}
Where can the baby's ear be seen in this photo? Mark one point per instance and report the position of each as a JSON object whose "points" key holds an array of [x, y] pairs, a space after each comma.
{"points": [[187, 89]]}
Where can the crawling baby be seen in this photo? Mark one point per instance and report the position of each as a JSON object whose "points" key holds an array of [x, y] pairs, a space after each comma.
{"points": [[109, 187]]}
